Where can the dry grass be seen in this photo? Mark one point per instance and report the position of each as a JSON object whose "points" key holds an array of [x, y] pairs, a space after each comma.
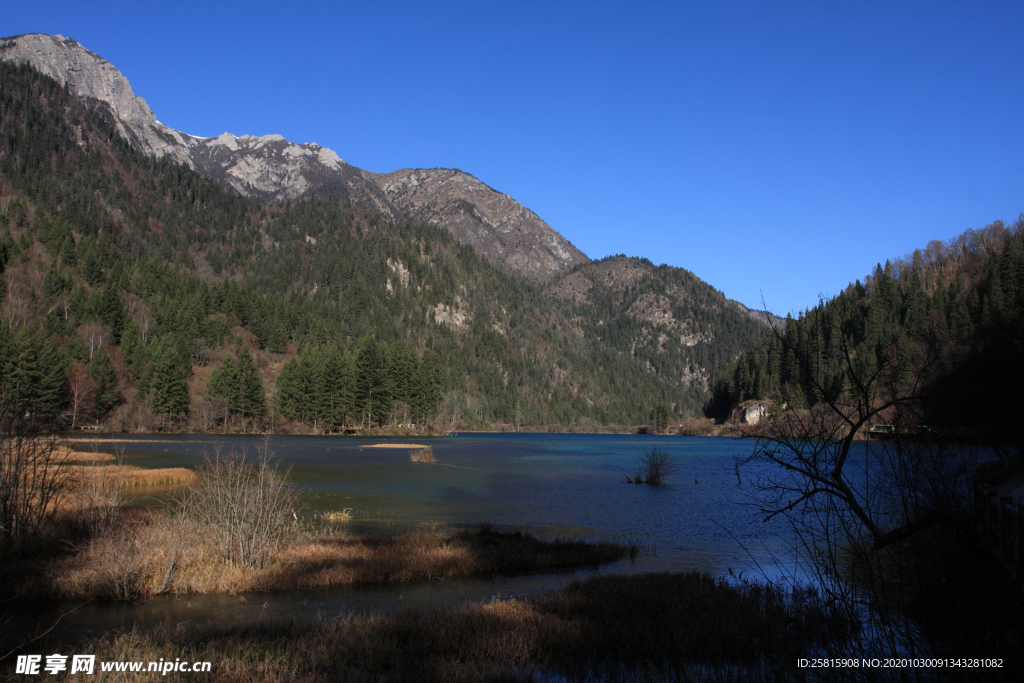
{"points": [[624, 628], [131, 477], [85, 456], [338, 515], [425, 454], [304, 563], [417, 452]]}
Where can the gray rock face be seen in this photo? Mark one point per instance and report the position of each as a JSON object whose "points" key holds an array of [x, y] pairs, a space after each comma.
{"points": [[754, 413], [90, 76], [274, 169], [495, 224]]}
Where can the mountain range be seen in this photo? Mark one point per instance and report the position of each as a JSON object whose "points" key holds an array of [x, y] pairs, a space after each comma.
{"points": [[273, 169], [526, 327]]}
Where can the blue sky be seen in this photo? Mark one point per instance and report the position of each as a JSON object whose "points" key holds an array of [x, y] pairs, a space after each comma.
{"points": [[775, 149]]}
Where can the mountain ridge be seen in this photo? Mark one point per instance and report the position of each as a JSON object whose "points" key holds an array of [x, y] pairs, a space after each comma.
{"points": [[274, 169]]}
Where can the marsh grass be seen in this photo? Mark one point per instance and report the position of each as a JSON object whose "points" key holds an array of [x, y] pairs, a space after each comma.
{"points": [[417, 452], [337, 515], [424, 454], [167, 554], [134, 477], [87, 457], [648, 627]]}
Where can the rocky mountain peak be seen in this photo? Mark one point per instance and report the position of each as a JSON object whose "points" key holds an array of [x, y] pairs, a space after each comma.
{"points": [[90, 76], [275, 169], [85, 72], [495, 224]]}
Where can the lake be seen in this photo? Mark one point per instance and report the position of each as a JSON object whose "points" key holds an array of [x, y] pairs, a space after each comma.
{"points": [[551, 485]]}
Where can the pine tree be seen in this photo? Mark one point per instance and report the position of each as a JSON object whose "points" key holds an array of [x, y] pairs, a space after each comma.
{"points": [[240, 385], [112, 311], [132, 349], [67, 252], [169, 381], [55, 283], [224, 382], [401, 373], [101, 370], [334, 386], [372, 400], [92, 267], [34, 374], [428, 386], [291, 394], [251, 394], [659, 416]]}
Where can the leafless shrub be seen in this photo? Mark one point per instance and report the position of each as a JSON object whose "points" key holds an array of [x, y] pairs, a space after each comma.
{"points": [[424, 454], [655, 467], [132, 415], [338, 515], [81, 392], [696, 427], [33, 486], [99, 494], [122, 562], [247, 504]]}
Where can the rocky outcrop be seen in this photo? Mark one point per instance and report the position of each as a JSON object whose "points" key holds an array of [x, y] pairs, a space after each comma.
{"points": [[90, 76], [664, 316], [274, 169], [493, 223], [753, 413]]}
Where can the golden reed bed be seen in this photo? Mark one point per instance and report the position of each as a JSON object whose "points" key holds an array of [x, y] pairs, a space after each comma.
{"points": [[85, 456], [131, 477]]}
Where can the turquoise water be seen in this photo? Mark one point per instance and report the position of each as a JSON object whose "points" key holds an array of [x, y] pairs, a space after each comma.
{"points": [[548, 484], [552, 485]]}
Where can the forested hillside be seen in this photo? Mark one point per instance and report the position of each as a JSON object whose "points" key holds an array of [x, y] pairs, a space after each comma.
{"points": [[950, 317], [680, 327], [139, 292]]}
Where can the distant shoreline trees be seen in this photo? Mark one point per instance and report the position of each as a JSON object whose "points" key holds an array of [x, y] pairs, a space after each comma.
{"points": [[329, 387]]}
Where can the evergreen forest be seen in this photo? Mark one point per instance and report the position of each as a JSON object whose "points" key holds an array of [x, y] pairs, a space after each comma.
{"points": [[949, 317]]}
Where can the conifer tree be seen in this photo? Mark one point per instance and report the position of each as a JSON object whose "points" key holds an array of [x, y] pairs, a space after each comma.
{"points": [[67, 252], [92, 267], [251, 394], [240, 385], [112, 311], [428, 385], [292, 392], [101, 370], [169, 379], [55, 283], [224, 382], [132, 349], [401, 373], [334, 386], [372, 400], [33, 374]]}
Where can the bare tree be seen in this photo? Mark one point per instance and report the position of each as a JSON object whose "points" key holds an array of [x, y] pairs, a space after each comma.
{"points": [[814, 451], [247, 503], [81, 390], [33, 484], [865, 512], [100, 494], [655, 467]]}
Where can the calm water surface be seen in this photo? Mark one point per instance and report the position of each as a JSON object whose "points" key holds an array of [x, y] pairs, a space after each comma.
{"points": [[552, 485]]}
